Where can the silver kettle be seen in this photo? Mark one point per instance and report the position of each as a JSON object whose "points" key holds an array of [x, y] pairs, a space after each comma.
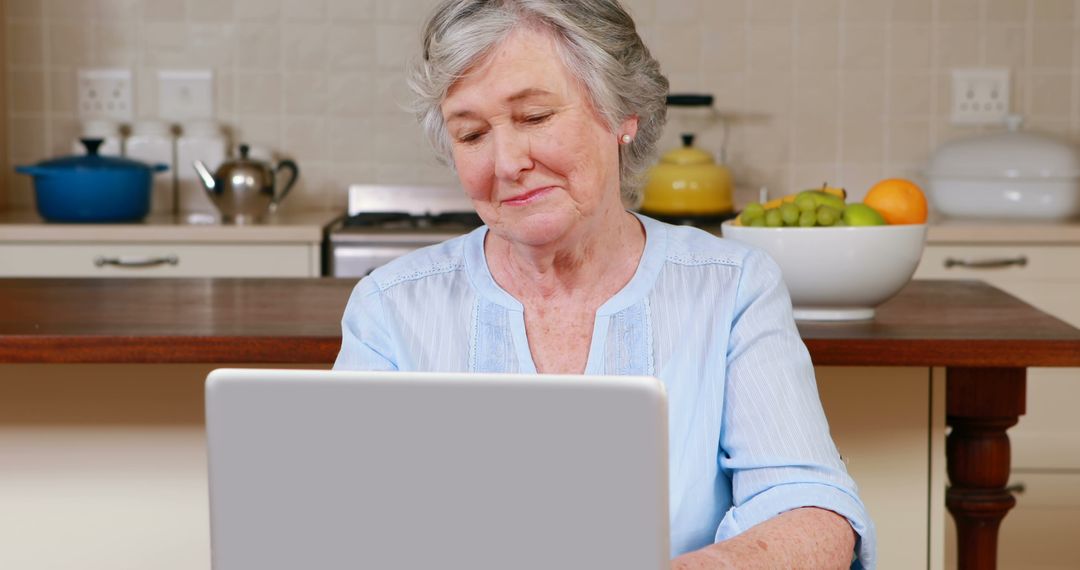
{"points": [[244, 189]]}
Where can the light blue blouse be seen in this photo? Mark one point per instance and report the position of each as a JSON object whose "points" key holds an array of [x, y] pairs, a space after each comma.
{"points": [[709, 317]]}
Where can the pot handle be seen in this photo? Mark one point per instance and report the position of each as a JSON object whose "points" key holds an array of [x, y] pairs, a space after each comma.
{"points": [[159, 167], [32, 170], [290, 166]]}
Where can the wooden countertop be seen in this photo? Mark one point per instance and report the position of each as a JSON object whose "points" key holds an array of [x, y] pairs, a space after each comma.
{"points": [[930, 323]]}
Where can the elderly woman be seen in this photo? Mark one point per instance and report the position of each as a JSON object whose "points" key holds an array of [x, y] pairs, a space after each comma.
{"points": [[549, 110]]}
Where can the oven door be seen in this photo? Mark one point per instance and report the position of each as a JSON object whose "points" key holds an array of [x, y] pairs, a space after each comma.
{"points": [[358, 260]]}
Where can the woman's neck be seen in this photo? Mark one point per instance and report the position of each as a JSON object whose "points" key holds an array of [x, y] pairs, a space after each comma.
{"points": [[595, 262]]}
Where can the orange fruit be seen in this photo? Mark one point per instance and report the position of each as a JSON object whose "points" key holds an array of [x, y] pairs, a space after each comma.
{"points": [[899, 201]]}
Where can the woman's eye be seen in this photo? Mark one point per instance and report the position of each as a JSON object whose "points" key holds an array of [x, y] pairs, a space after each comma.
{"points": [[538, 118], [470, 137]]}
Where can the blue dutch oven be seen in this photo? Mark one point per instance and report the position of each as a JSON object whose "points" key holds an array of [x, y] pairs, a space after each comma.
{"points": [[92, 188]]}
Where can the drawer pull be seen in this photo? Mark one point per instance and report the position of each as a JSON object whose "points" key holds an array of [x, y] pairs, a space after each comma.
{"points": [[135, 262], [1017, 488], [1020, 261]]}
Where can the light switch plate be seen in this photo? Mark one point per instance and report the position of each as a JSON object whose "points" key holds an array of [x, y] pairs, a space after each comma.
{"points": [[185, 94], [104, 94], [980, 96]]}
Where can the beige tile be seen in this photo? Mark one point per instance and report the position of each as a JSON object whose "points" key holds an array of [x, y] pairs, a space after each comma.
{"points": [[20, 191], [61, 91], [163, 11], [63, 132], [684, 81], [863, 137], [958, 11], [258, 93], [351, 140], [914, 11], [116, 44], [257, 47], [23, 9], [816, 94], [305, 138], [350, 94], [396, 44], [815, 139], [406, 173], [765, 142], [293, 11], [772, 11], [353, 172], [351, 46], [724, 49], [813, 175], [818, 11], [909, 141], [769, 93], [1052, 46], [69, 44], [164, 43], [864, 47], [863, 93], [910, 47], [210, 45], [392, 94], [1013, 11], [678, 49], [911, 94], [27, 90], [341, 10], [958, 45], [251, 10], [145, 85], [724, 12], [876, 11], [1051, 94], [1054, 11], [728, 90], [770, 47], [224, 94], [68, 9], [26, 142], [305, 93], [115, 11], [858, 177], [304, 46], [25, 44], [818, 47], [642, 11], [210, 10], [259, 131], [678, 12], [1006, 45], [396, 138]]}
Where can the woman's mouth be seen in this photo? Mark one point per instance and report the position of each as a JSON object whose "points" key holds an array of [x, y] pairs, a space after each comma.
{"points": [[525, 198]]}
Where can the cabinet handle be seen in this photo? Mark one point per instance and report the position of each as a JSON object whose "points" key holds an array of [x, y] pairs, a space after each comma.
{"points": [[1019, 261], [101, 261], [1017, 488]]}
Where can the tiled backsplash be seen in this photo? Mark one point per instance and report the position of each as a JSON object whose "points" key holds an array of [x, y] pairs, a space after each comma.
{"points": [[848, 91]]}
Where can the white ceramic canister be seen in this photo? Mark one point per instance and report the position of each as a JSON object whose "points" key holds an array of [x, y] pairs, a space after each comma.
{"points": [[1011, 174], [205, 141], [152, 141], [104, 129]]}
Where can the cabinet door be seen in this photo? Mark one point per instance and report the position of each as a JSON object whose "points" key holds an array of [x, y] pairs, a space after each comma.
{"points": [[159, 260]]}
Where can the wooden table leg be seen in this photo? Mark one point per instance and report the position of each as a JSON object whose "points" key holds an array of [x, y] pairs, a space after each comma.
{"points": [[980, 403]]}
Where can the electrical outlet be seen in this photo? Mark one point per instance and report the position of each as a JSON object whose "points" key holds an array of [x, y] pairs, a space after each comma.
{"points": [[980, 96], [104, 94], [185, 94]]}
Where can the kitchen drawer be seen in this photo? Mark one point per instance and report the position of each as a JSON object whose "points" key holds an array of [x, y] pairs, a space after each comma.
{"points": [[1000, 262], [158, 260]]}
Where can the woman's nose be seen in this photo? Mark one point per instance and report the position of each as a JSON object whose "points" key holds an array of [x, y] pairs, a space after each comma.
{"points": [[512, 154]]}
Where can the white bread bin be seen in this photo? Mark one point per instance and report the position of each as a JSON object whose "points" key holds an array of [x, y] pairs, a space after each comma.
{"points": [[1013, 174]]}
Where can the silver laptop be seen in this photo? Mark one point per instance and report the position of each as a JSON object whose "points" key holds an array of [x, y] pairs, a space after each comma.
{"points": [[359, 470]]}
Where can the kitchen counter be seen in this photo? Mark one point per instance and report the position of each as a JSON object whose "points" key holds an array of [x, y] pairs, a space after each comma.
{"points": [[305, 227], [984, 339]]}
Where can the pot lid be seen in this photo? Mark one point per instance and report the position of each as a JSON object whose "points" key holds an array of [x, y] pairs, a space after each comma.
{"points": [[93, 161], [1011, 154], [688, 154]]}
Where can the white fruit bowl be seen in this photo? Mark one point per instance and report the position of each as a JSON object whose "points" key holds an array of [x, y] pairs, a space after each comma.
{"points": [[838, 273]]}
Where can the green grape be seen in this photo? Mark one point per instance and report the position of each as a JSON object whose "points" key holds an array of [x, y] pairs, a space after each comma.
{"points": [[806, 202], [773, 219], [751, 211], [827, 216], [789, 213], [807, 219], [758, 222]]}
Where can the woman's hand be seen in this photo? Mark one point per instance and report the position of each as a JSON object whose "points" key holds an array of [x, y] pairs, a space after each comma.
{"points": [[802, 538]]}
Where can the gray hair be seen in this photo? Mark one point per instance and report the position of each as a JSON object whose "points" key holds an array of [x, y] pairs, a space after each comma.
{"points": [[598, 43]]}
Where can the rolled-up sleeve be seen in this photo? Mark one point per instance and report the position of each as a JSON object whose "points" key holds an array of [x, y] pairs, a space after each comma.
{"points": [[366, 343], [774, 440]]}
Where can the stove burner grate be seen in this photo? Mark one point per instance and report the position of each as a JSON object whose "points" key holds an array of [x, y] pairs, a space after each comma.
{"points": [[407, 220]]}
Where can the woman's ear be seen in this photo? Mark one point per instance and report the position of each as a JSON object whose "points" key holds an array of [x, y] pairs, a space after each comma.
{"points": [[628, 127]]}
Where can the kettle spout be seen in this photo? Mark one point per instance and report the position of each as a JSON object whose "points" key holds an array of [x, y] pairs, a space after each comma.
{"points": [[205, 178]]}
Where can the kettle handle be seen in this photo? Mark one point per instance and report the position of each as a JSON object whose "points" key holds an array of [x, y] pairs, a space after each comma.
{"points": [[290, 166]]}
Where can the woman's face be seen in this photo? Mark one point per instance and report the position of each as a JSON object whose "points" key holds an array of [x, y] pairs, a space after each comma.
{"points": [[532, 154]]}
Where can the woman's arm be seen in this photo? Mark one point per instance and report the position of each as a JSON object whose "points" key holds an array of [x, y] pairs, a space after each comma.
{"points": [[801, 538]]}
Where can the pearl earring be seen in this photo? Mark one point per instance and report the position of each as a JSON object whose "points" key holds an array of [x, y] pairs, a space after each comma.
{"points": [[626, 139]]}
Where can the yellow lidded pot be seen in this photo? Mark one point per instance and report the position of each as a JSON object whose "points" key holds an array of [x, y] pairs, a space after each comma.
{"points": [[688, 182]]}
